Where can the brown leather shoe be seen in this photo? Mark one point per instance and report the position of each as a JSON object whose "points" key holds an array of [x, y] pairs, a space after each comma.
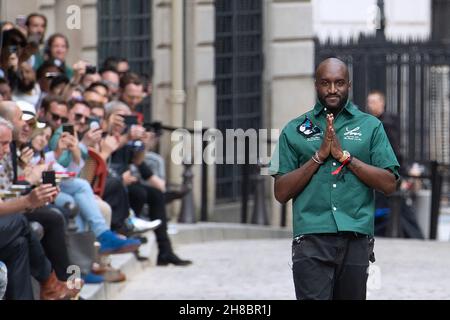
{"points": [[53, 289], [108, 272]]}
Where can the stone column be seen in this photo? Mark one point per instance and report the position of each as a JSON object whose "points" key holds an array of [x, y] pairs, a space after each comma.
{"points": [[289, 69], [200, 88], [62, 23]]}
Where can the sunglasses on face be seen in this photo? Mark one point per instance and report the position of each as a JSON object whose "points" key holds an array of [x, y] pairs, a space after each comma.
{"points": [[79, 116], [32, 123], [56, 117]]}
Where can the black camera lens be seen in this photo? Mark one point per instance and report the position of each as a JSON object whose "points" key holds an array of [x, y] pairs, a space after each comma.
{"points": [[91, 69]]}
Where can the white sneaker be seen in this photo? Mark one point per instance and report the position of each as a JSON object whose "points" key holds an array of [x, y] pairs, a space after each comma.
{"points": [[141, 225]]}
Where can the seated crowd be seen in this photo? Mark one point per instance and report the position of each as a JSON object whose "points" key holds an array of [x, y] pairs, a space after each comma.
{"points": [[63, 120]]}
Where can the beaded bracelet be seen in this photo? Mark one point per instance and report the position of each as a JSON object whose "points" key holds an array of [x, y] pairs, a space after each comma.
{"points": [[316, 158]]}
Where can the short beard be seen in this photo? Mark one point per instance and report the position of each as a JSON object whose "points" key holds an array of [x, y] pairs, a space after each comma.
{"points": [[340, 106], [25, 88]]}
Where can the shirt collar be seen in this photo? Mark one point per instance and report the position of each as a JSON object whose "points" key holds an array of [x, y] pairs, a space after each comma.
{"points": [[349, 107]]}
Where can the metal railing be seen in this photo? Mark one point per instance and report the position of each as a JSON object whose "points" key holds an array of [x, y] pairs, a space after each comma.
{"points": [[187, 213]]}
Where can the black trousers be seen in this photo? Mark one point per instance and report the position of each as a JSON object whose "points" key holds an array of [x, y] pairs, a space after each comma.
{"points": [[23, 255], [116, 196], [331, 266], [54, 240], [140, 194]]}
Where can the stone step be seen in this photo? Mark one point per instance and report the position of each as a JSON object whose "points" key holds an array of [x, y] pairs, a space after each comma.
{"points": [[179, 234]]}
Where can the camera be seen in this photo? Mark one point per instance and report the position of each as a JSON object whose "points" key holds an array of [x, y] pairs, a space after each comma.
{"points": [[91, 69], [155, 127], [137, 146]]}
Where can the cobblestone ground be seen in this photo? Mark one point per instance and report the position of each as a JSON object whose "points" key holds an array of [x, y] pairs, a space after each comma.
{"points": [[261, 269]]}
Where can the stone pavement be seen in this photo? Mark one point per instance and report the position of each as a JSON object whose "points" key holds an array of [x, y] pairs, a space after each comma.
{"points": [[261, 269]]}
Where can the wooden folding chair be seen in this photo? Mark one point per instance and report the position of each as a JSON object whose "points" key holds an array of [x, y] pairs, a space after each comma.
{"points": [[95, 171]]}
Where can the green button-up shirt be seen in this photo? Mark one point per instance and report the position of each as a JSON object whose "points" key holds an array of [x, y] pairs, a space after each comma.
{"points": [[331, 203]]}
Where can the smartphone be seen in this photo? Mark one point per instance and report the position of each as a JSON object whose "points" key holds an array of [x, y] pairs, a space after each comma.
{"points": [[69, 128], [49, 177], [27, 145], [129, 121], [21, 20], [94, 123], [155, 127]]}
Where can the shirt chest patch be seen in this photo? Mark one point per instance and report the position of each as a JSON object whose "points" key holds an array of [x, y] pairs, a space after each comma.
{"points": [[310, 131], [353, 134]]}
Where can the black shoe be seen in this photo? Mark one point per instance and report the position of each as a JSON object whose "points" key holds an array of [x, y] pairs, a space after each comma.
{"points": [[176, 193], [173, 259]]}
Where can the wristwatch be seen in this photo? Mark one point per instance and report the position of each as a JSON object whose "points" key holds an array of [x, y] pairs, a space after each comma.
{"points": [[345, 156]]}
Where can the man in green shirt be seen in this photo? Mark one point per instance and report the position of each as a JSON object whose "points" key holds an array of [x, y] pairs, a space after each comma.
{"points": [[329, 161]]}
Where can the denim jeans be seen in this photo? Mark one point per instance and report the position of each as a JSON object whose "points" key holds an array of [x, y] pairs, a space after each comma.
{"points": [[79, 191]]}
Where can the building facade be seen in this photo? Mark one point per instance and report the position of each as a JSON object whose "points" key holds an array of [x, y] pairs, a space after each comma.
{"points": [[222, 84]]}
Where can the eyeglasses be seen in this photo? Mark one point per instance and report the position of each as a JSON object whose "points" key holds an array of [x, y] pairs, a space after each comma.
{"points": [[79, 116], [32, 123], [56, 117]]}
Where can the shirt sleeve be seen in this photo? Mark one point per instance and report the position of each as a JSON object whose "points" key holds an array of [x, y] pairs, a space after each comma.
{"points": [[284, 158], [381, 153]]}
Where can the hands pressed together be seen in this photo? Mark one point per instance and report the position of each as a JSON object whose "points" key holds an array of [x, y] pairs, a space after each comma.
{"points": [[330, 144]]}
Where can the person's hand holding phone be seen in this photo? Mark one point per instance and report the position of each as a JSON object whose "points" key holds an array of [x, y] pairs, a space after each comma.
{"points": [[108, 145], [73, 147], [26, 154], [41, 196], [62, 144], [71, 141], [116, 124], [79, 70], [92, 137], [33, 174], [149, 139], [128, 178], [136, 132]]}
